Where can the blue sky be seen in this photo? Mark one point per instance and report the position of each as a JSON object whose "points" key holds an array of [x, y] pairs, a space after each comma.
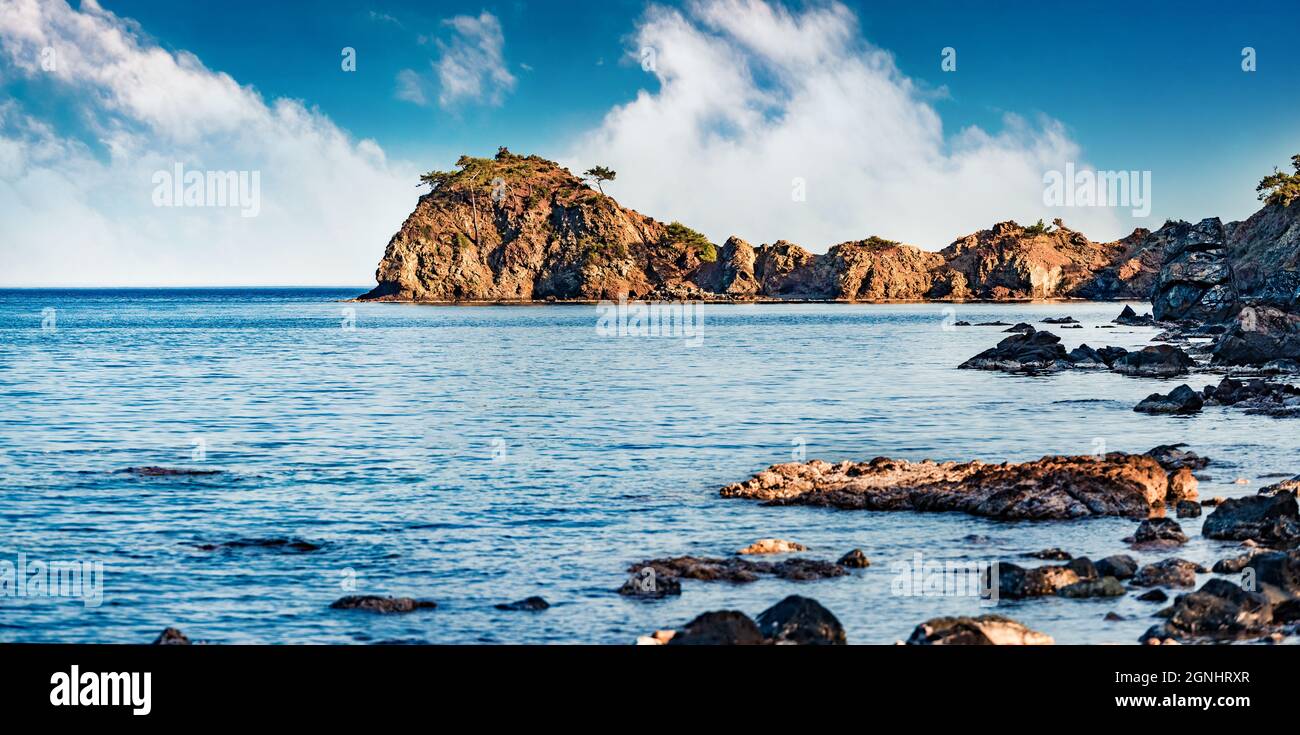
{"points": [[1152, 86]]}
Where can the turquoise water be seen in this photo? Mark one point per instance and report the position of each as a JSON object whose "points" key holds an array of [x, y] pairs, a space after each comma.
{"points": [[477, 455]]}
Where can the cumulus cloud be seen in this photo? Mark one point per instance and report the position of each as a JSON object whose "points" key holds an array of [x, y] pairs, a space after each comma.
{"points": [[756, 101], [76, 189], [470, 67]]}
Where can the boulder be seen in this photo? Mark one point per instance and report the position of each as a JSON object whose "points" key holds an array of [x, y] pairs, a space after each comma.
{"points": [[1160, 531], [649, 583], [1052, 554], [1257, 336], [1291, 486], [1276, 573], [1182, 486], [1102, 587], [1016, 582], [800, 621], [1085, 357], [1156, 361], [720, 628], [1181, 400], [985, 630], [1050, 488], [1168, 573], [1188, 509], [1219, 610], [1083, 567], [1119, 566], [1272, 520], [1061, 320], [1029, 352], [1156, 595]]}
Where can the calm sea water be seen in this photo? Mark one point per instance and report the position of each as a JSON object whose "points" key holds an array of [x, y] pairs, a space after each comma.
{"points": [[478, 455]]}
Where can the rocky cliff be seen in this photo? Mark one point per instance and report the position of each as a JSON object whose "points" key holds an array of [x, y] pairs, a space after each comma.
{"points": [[521, 228]]}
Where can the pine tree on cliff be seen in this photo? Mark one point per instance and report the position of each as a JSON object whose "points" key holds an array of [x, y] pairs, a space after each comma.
{"points": [[1280, 188], [473, 174], [600, 174]]}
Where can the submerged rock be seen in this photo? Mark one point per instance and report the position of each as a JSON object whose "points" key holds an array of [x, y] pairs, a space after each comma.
{"points": [[985, 630], [152, 471], [800, 621], [772, 546], [1052, 554], [1053, 487], [171, 637], [1219, 610], [528, 603], [283, 544], [377, 604], [648, 583]]}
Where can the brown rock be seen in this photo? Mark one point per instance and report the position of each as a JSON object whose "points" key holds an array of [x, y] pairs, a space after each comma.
{"points": [[985, 630], [772, 546], [1049, 488]]}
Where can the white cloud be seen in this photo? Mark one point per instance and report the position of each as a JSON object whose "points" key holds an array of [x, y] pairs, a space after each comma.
{"points": [[470, 68], [472, 63], [75, 195], [752, 96]]}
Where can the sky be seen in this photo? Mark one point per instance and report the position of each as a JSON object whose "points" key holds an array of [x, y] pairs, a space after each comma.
{"points": [[815, 122]]}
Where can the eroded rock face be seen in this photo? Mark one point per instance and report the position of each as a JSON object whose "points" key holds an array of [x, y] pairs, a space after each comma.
{"points": [[1195, 281], [521, 228], [1219, 610], [1050, 488], [1265, 252], [985, 630]]}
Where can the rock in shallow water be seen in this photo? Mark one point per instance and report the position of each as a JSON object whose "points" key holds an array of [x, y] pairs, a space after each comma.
{"points": [[1181, 400], [793, 621], [1168, 573], [171, 637], [985, 630], [1116, 484], [772, 546], [1119, 566], [1272, 520], [377, 604], [1219, 610], [1160, 531], [854, 560], [528, 603]]}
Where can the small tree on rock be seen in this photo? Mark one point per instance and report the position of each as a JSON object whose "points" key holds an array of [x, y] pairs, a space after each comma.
{"points": [[1280, 188], [599, 174]]}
